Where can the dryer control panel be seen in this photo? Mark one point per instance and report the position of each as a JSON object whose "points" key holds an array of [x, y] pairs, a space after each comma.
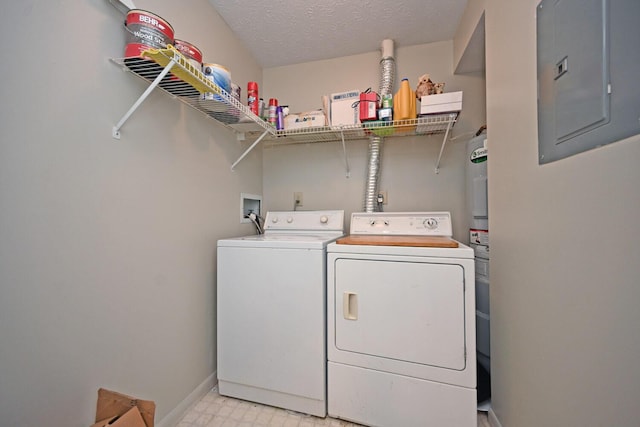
{"points": [[402, 223]]}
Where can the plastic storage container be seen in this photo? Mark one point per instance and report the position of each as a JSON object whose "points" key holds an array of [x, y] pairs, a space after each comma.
{"points": [[404, 102]]}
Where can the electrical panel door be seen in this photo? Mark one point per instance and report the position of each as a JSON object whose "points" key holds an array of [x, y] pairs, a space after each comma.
{"points": [[588, 63]]}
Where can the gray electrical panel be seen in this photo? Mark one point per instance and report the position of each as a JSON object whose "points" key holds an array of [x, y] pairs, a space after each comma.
{"points": [[588, 72]]}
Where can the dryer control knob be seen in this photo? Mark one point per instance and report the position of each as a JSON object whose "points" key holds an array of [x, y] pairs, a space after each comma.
{"points": [[431, 223], [274, 219], [289, 219], [324, 219]]}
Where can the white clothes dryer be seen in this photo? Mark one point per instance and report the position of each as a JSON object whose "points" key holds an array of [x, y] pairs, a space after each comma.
{"points": [[271, 319], [401, 323]]}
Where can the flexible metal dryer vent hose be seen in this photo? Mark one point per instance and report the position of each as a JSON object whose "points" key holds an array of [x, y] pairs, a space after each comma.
{"points": [[387, 77]]}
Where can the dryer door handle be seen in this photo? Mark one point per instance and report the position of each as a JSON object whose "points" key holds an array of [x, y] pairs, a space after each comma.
{"points": [[350, 305]]}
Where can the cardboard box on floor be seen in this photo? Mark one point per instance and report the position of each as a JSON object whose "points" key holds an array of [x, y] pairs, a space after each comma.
{"points": [[131, 418], [119, 410]]}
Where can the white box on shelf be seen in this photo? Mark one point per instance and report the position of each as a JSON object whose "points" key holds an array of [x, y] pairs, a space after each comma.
{"points": [[342, 110], [441, 103], [304, 120]]}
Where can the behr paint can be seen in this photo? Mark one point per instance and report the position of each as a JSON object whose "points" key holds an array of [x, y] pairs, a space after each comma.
{"points": [[194, 57], [191, 52], [146, 30]]}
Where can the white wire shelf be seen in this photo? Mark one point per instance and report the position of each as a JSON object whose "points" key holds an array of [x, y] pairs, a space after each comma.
{"points": [[426, 125], [190, 86], [168, 70]]}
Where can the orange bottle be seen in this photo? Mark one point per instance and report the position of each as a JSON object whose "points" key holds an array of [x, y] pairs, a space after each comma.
{"points": [[404, 102]]}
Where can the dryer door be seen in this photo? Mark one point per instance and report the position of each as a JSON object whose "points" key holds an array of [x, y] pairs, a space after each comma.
{"points": [[404, 311]]}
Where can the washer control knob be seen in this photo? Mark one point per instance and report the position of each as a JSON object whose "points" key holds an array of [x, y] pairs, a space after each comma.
{"points": [[289, 219], [324, 219], [274, 219], [430, 223]]}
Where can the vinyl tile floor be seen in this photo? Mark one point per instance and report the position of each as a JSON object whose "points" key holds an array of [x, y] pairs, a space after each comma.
{"points": [[214, 410]]}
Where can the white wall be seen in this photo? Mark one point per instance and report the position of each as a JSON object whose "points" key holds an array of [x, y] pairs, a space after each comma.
{"points": [[107, 248], [407, 170], [564, 255]]}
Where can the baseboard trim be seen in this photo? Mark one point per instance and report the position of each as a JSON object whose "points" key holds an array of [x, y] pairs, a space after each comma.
{"points": [[493, 419], [176, 414]]}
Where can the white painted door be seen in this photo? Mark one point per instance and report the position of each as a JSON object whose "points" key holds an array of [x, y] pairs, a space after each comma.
{"points": [[403, 311]]}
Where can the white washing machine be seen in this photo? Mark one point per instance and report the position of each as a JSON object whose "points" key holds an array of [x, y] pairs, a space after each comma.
{"points": [[272, 311], [401, 323]]}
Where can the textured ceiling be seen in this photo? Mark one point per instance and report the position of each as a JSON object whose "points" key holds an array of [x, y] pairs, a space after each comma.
{"points": [[284, 32]]}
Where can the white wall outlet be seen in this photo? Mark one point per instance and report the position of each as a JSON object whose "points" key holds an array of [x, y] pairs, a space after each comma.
{"points": [[297, 198]]}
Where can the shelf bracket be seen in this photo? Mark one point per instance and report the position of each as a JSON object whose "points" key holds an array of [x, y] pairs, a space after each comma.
{"points": [[116, 129], [444, 140], [346, 158], [123, 6], [256, 142]]}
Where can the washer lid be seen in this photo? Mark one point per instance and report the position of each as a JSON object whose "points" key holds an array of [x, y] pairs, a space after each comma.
{"points": [[282, 240]]}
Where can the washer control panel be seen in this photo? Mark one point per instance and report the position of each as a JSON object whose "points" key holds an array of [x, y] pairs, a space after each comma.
{"points": [[304, 220], [402, 223]]}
